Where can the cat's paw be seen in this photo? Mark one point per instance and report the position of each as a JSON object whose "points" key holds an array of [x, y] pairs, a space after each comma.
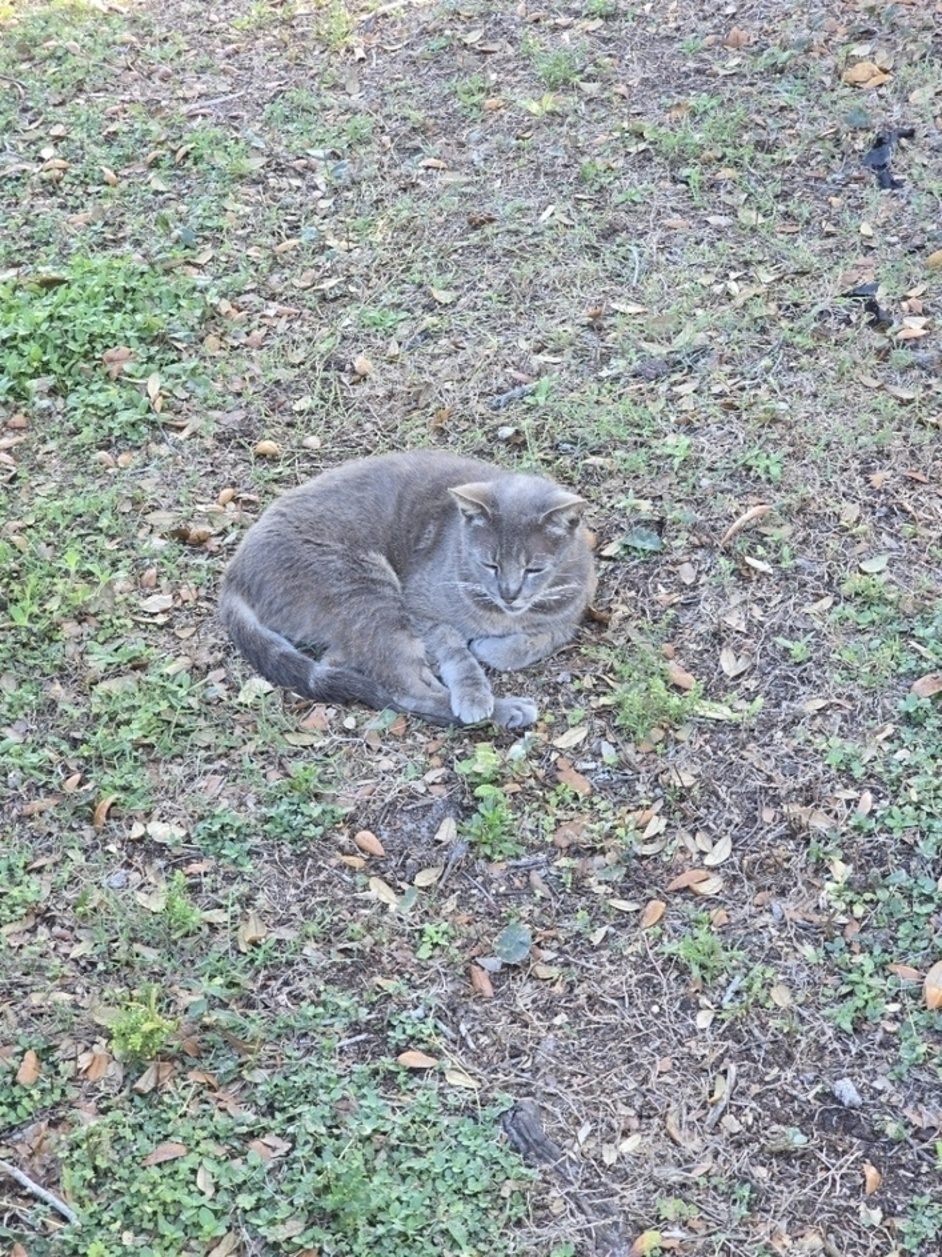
{"points": [[514, 713], [472, 704], [502, 653]]}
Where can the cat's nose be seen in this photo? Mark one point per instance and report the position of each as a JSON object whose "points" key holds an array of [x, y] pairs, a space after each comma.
{"points": [[510, 589]]}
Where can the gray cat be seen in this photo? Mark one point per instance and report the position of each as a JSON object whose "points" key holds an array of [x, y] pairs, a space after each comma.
{"points": [[409, 571]]}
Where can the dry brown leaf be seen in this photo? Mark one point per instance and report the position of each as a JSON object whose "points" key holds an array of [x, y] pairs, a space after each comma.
{"points": [[864, 74], [414, 1059], [737, 38], [646, 1242], [934, 260], [932, 986], [460, 1078], [906, 972], [428, 876], [228, 1245], [654, 909], [153, 386], [168, 1151], [680, 677], [872, 1178], [102, 808], [367, 841], [383, 891], [721, 850], [29, 1069], [572, 737], [781, 995], [252, 929], [204, 1182], [732, 664], [566, 774], [688, 878], [481, 982], [744, 520], [94, 1064], [362, 366], [712, 886], [928, 685], [447, 830]]}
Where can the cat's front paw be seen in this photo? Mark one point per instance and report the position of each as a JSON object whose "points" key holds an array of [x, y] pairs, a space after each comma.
{"points": [[514, 713], [472, 704], [503, 653]]}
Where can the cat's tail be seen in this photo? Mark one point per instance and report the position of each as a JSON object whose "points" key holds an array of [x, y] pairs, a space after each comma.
{"points": [[280, 662]]}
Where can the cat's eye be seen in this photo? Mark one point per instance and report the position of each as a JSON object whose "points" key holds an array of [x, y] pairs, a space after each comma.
{"points": [[491, 567], [534, 571]]}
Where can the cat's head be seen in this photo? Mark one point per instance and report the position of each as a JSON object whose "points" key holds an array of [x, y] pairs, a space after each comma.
{"points": [[517, 532]]}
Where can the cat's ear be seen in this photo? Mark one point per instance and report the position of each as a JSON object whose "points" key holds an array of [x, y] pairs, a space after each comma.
{"points": [[565, 515], [474, 501]]}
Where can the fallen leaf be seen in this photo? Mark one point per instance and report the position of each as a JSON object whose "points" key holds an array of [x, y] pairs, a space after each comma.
{"points": [[428, 876], [481, 983], [383, 892], [414, 1059], [654, 909], [934, 260], [878, 563], [156, 603], [252, 929], [459, 1078], [680, 677], [905, 972], [732, 664], [932, 986], [720, 851], [688, 878], [872, 1178], [712, 886], [646, 1242], [168, 1151], [927, 685], [102, 808], [204, 1182], [567, 775], [442, 296], [362, 366], [781, 995], [29, 1069], [571, 737], [153, 386], [367, 841], [737, 38], [864, 74]]}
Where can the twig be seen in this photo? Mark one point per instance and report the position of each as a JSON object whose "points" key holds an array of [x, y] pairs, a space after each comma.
{"points": [[20, 87], [512, 395], [34, 1189], [207, 106]]}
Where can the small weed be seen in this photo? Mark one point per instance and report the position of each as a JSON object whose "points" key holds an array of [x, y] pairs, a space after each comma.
{"points": [[644, 699], [765, 463], [139, 1031], [555, 67], [492, 828], [702, 952]]}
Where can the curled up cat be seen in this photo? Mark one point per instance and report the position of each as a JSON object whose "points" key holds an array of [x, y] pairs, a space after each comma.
{"points": [[406, 573]]}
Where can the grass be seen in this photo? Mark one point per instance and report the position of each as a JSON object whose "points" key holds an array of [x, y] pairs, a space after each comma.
{"points": [[704, 889]]}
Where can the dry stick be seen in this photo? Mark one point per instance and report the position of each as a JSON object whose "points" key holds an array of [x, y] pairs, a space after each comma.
{"points": [[26, 1182]]}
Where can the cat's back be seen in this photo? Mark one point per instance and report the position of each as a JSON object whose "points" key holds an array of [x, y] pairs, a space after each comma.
{"points": [[375, 502]]}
